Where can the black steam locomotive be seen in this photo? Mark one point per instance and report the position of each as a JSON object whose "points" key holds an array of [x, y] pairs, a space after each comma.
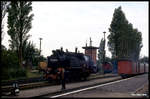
{"points": [[77, 65]]}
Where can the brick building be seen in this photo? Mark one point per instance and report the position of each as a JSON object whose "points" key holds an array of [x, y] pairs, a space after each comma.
{"points": [[91, 51]]}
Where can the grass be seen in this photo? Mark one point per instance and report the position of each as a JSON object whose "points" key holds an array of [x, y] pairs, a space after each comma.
{"points": [[30, 74], [13, 79]]}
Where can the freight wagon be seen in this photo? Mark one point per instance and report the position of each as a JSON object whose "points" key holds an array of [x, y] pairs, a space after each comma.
{"points": [[129, 67]]}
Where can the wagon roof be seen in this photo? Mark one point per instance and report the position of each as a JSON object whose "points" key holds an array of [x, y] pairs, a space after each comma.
{"points": [[125, 59]]}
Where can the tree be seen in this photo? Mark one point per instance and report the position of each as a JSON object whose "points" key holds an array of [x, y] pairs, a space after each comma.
{"points": [[101, 51], [30, 53], [145, 59], [19, 24], [124, 40], [101, 55], [108, 59], [116, 28], [4, 5], [10, 66]]}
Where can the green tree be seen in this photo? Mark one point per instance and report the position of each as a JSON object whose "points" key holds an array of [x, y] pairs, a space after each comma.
{"points": [[117, 27], [101, 51], [124, 40], [107, 59], [101, 55], [4, 5], [10, 68], [145, 59], [30, 53], [19, 24], [28, 50]]}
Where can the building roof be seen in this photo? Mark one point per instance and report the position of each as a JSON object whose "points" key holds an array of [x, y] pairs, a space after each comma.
{"points": [[90, 47]]}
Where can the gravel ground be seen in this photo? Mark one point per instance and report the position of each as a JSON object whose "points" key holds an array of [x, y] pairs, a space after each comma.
{"points": [[143, 90], [51, 89], [128, 86], [124, 89], [119, 89]]}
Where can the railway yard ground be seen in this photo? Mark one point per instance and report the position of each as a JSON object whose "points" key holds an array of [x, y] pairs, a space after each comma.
{"points": [[112, 86], [134, 87]]}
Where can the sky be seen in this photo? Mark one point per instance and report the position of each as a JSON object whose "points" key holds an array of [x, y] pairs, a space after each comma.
{"points": [[71, 24]]}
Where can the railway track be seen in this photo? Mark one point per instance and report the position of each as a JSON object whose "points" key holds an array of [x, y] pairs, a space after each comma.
{"points": [[55, 90], [23, 81], [42, 83]]}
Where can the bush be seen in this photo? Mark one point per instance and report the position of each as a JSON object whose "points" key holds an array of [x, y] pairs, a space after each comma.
{"points": [[13, 73], [10, 66], [21, 72], [5, 74]]}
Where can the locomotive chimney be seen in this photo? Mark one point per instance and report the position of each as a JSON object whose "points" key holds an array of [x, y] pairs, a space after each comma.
{"points": [[61, 49], [86, 44], [76, 50], [66, 50]]}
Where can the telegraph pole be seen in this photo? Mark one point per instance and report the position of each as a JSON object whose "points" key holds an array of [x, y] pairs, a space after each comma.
{"points": [[91, 48], [103, 63], [40, 44], [90, 42], [104, 47]]}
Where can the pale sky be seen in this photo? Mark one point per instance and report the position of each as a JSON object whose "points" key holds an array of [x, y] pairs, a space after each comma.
{"points": [[71, 24]]}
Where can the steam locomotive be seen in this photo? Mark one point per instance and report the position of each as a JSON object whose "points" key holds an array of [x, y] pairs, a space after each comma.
{"points": [[77, 65]]}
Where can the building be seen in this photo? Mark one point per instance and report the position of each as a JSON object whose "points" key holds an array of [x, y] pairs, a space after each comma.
{"points": [[91, 51]]}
